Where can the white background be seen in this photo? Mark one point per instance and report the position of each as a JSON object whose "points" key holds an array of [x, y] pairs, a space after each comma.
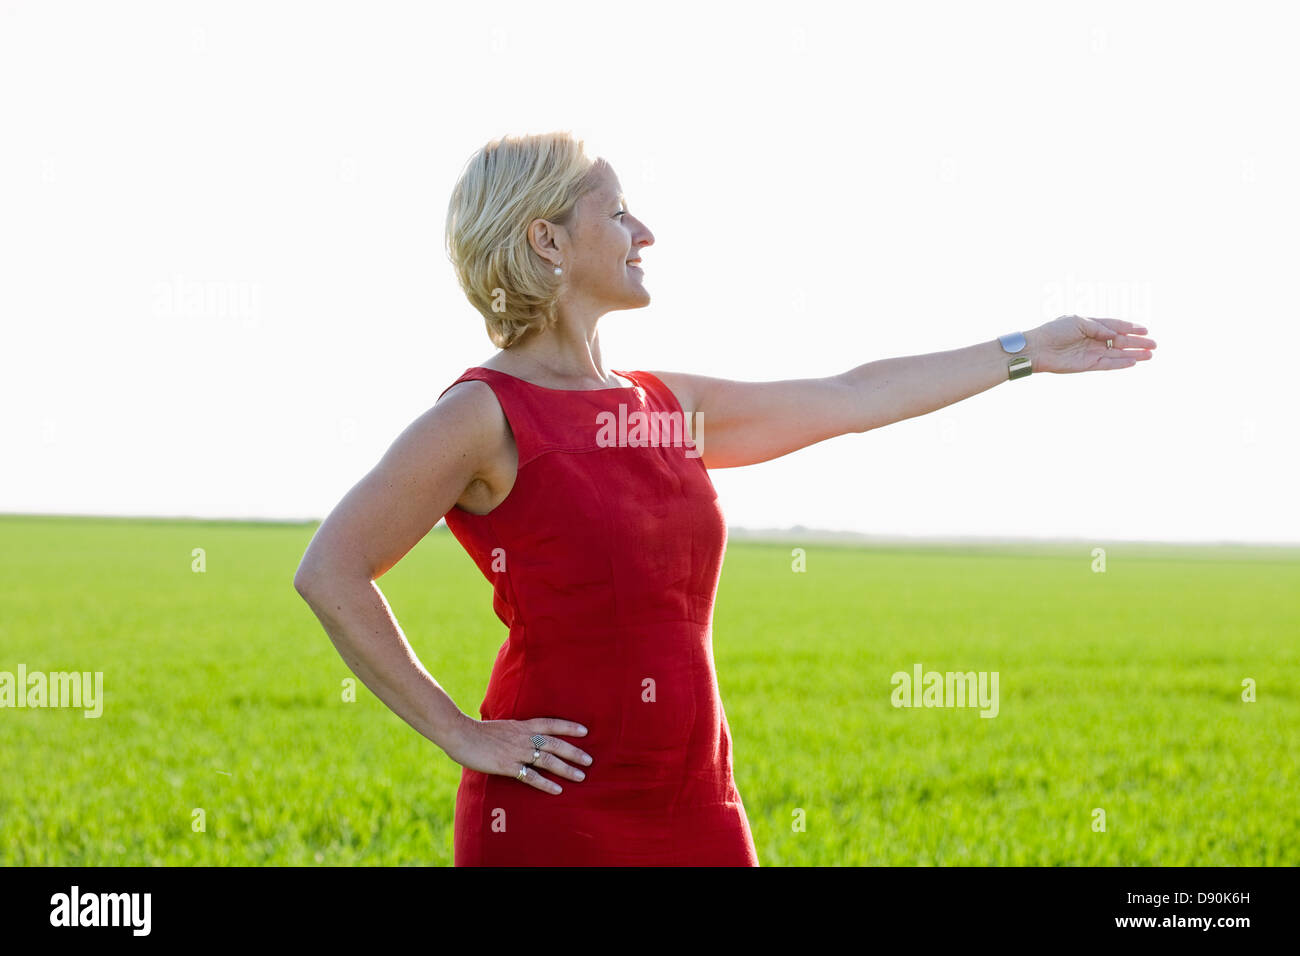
{"points": [[224, 291]]}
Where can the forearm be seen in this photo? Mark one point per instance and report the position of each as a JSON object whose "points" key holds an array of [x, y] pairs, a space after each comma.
{"points": [[893, 389], [361, 625]]}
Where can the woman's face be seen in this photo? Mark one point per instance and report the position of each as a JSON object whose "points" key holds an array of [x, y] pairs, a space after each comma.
{"points": [[595, 246]]}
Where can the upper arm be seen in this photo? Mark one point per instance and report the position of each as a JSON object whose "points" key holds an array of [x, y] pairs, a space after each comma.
{"points": [[418, 480], [744, 423]]}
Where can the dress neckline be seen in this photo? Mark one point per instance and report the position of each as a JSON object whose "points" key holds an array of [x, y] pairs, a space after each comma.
{"points": [[578, 391]]}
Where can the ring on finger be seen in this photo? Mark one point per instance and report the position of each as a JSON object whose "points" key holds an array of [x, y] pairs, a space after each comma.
{"points": [[536, 754]]}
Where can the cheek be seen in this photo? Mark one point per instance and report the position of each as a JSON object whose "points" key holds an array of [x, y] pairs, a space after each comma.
{"points": [[614, 246], [616, 241]]}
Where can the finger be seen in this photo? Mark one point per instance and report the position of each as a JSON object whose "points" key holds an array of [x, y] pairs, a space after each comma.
{"points": [[1119, 325], [1132, 342], [567, 751], [1117, 361], [1098, 330], [560, 747], [1137, 354], [552, 763], [554, 725], [535, 779]]}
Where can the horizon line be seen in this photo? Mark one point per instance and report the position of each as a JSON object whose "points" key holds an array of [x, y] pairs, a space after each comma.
{"points": [[732, 530]]}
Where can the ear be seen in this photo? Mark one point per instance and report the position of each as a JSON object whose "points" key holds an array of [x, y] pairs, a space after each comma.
{"points": [[546, 238]]}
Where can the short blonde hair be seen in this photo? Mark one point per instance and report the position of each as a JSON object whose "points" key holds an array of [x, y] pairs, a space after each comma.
{"points": [[504, 187]]}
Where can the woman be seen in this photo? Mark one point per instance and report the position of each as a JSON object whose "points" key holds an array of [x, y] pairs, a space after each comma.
{"points": [[603, 739]]}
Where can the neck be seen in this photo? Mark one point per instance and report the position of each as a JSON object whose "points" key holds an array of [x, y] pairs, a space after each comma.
{"points": [[568, 350]]}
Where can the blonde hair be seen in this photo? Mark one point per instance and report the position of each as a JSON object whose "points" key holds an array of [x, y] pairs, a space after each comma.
{"points": [[504, 187]]}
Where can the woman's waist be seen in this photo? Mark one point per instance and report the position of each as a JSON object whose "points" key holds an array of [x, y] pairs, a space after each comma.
{"points": [[564, 660], [633, 706], [638, 628], [611, 684]]}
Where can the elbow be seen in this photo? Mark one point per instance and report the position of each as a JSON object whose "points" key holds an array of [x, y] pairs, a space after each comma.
{"points": [[318, 576], [303, 582], [307, 580]]}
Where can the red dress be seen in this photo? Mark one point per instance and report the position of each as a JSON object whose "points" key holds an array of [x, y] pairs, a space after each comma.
{"points": [[604, 559]]}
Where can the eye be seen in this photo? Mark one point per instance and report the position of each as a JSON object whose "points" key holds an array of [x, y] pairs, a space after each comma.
{"points": [[621, 212]]}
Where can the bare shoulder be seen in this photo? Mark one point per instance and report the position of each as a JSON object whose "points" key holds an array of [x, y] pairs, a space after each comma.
{"points": [[461, 439], [467, 423], [685, 387], [470, 405]]}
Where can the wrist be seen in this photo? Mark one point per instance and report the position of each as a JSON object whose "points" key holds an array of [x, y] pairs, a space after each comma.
{"points": [[449, 731], [1019, 354], [1034, 349]]}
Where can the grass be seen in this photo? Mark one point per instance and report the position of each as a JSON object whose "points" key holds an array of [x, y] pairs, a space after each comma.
{"points": [[1119, 691]]}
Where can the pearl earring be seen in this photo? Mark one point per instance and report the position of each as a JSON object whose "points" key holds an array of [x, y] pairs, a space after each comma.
{"points": [[558, 270]]}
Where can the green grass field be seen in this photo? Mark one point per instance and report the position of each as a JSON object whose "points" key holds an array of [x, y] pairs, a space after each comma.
{"points": [[1119, 690]]}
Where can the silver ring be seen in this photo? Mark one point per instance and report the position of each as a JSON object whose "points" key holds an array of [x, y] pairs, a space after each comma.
{"points": [[536, 754], [1110, 343], [523, 774], [539, 741]]}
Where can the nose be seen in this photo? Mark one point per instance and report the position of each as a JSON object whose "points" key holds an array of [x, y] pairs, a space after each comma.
{"points": [[643, 236]]}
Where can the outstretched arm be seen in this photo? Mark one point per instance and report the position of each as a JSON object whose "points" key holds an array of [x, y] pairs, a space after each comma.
{"points": [[744, 423]]}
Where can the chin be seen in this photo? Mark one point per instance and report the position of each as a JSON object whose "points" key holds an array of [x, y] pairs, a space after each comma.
{"points": [[633, 302]]}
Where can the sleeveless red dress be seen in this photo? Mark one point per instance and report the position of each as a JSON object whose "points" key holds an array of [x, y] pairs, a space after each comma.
{"points": [[604, 559]]}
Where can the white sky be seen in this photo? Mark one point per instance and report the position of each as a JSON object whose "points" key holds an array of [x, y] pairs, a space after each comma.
{"points": [[223, 288]]}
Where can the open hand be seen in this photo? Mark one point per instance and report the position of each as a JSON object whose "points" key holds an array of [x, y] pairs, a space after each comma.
{"points": [[505, 746], [1076, 343]]}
